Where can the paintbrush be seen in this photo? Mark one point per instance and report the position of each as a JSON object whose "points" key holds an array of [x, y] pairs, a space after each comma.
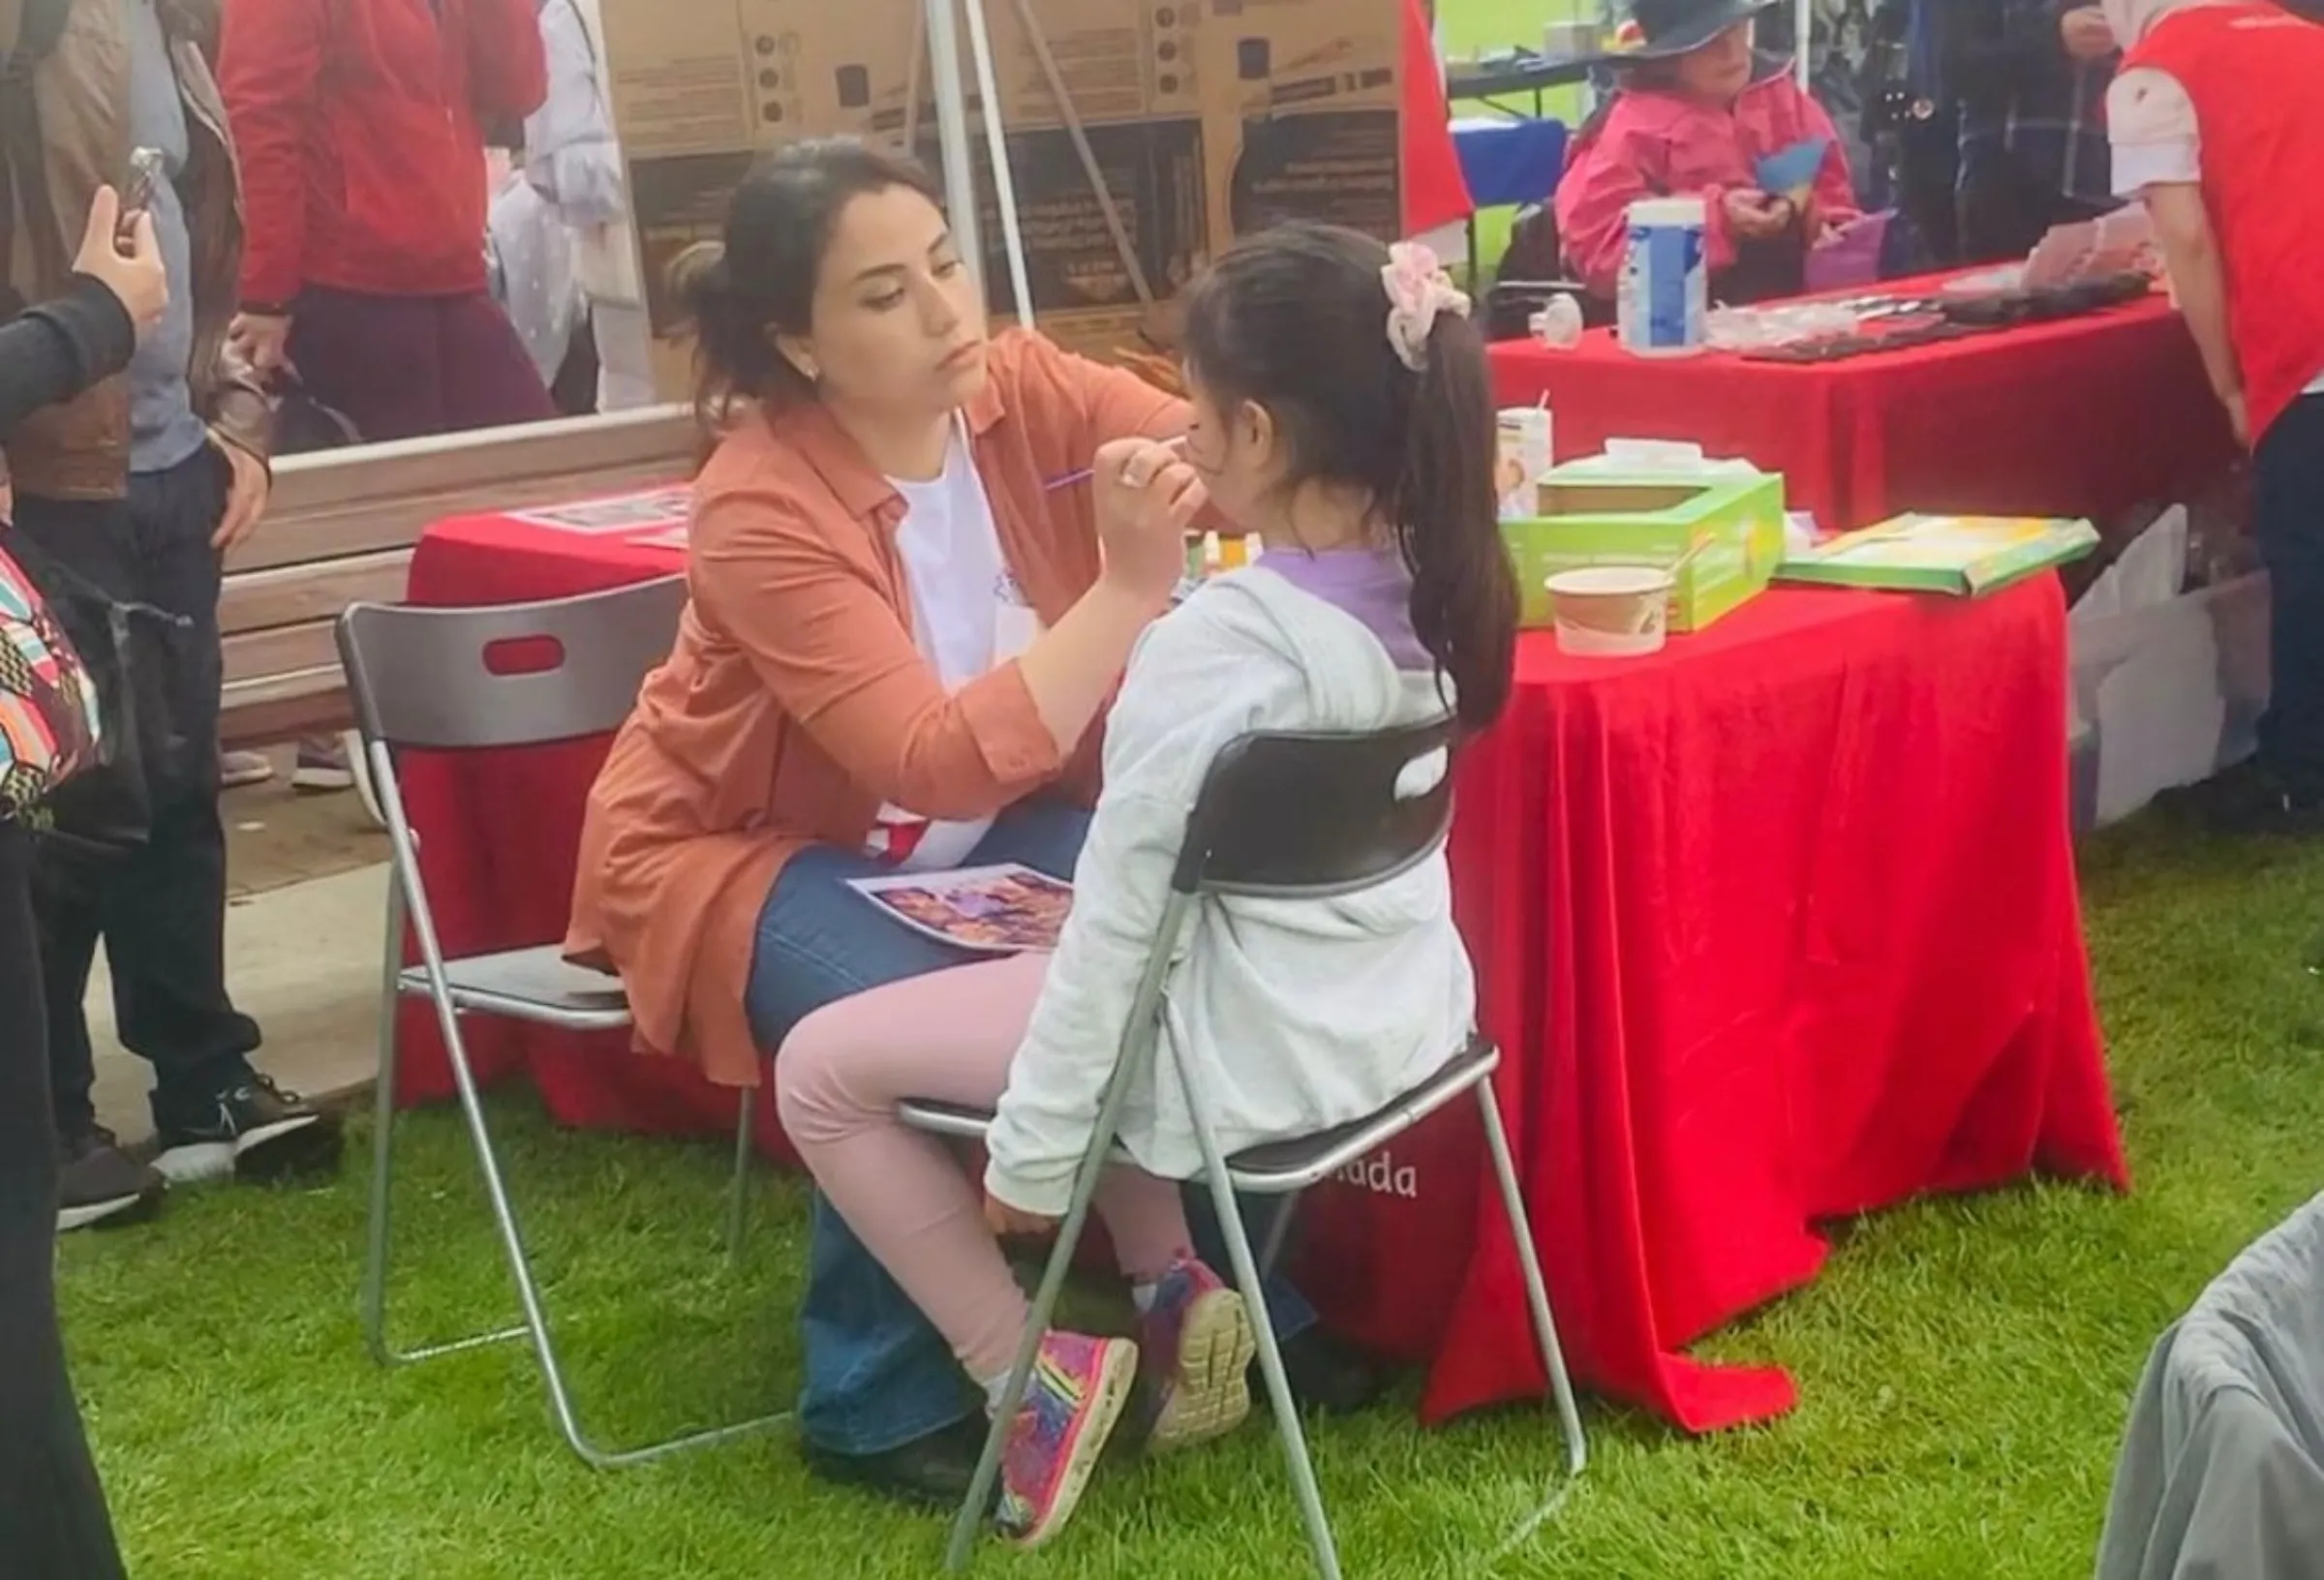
{"points": [[1086, 472]]}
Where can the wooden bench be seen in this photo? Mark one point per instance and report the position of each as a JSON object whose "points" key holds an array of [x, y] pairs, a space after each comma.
{"points": [[341, 525]]}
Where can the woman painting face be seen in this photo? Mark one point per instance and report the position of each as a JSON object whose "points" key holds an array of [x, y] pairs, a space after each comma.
{"points": [[899, 318]]}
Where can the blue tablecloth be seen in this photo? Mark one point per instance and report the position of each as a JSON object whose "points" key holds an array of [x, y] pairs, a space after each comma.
{"points": [[1509, 162]]}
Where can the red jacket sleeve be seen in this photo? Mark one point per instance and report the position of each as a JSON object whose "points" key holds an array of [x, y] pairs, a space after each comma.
{"points": [[269, 61], [507, 63]]}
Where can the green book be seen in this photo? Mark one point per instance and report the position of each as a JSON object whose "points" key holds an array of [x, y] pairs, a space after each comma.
{"points": [[1965, 556]]}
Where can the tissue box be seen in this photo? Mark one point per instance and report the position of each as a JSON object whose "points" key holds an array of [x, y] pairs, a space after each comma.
{"points": [[1590, 516]]}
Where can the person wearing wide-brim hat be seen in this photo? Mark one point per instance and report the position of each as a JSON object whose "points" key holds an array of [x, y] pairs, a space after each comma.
{"points": [[1666, 29], [1697, 112]]}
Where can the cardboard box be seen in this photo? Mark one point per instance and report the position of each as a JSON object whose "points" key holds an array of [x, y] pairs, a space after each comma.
{"points": [[1203, 119], [1593, 519]]}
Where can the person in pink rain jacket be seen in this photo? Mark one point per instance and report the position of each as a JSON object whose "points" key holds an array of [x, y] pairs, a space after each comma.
{"points": [[1697, 112]]}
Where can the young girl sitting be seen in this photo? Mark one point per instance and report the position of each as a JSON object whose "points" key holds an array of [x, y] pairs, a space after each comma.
{"points": [[1343, 412], [1697, 113]]}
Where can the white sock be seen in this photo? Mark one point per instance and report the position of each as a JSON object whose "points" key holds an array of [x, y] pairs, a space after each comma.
{"points": [[994, 1388], [1144, 1296]]}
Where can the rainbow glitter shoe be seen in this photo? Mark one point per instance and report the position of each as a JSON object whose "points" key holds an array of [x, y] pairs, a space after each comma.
{"points": [[1077, 1393], [1196, 1345]]}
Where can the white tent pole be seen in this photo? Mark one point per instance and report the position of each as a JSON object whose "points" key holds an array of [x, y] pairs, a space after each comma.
{"points": [[1803, 38], [997, 148], [952, 130]]}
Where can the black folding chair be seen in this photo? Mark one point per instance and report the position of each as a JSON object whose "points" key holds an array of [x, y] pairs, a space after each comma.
{"points": [[1280, 816]]}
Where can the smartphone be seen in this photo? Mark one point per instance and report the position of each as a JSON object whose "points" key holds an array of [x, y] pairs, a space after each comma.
{"points": [[145, 170]]}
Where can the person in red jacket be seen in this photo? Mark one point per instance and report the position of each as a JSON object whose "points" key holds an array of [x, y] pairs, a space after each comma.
{"points": [[2212, 126], [359, 124]]}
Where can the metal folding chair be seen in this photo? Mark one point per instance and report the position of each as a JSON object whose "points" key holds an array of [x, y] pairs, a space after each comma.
{"points": [[424, 680], [1280, 816]]}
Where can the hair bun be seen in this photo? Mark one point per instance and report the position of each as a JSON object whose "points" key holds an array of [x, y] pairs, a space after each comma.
{"points": [[701, 281]]}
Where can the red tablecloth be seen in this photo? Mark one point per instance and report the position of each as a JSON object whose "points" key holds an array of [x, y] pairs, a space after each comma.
{"points": [[2082, 418], [1777, 925]]}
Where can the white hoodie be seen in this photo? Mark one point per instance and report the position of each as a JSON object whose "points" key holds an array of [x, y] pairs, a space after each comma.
{"points": [[1297, 1016]]}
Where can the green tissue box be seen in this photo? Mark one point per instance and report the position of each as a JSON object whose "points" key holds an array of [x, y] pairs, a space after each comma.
{"points": [[1591, 517]]}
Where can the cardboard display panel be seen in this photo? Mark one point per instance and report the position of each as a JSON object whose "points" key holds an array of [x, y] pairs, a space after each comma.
{"points": [[1143, 135]]}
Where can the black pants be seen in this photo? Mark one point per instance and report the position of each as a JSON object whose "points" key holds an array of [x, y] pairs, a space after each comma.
{"points": [[52, 1519], [160, 910], [2289, 521]]}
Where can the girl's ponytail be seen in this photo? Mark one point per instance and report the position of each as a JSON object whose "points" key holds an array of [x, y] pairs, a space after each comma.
{"points": [[1366, 358], [1448, 521]]}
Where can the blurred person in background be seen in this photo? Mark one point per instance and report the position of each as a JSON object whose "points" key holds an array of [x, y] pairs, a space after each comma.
{"points": [[2212, 129], [137, 488], [360, 125], [573, 162], [2030, 77]]}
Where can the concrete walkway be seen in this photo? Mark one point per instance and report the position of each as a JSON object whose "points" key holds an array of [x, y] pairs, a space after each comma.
{"points": [[304, 936]]}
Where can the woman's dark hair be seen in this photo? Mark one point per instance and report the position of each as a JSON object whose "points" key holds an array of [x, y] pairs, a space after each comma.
{"points": [[1294, 319], [760, 280]]}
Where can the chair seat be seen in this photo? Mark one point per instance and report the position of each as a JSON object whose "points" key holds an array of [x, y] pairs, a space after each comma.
{"points": [[1278, 1166], [537, 984]]}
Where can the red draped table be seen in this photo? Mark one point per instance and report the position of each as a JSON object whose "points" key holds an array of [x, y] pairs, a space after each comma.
{"points": [[2084, 416], [1778, 925]]}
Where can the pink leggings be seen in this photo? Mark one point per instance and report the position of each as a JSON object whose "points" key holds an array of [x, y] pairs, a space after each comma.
{"points": [[947, 1037]]}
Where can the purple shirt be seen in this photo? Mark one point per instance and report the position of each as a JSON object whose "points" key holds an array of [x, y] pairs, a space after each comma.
{"points": [[1371, 585]]}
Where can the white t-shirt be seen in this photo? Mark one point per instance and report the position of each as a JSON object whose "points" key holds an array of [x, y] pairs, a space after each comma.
{"points": [[967, 616], [2156, 140]]}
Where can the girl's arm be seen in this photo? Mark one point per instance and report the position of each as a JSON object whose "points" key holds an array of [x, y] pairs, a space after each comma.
{"points": [[1190, 690]]}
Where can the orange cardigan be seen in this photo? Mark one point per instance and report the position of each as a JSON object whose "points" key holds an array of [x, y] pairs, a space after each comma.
{"points": [[795, 702]]}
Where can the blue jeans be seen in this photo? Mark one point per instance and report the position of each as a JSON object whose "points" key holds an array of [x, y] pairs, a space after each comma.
{"points": [[878, 1376]]}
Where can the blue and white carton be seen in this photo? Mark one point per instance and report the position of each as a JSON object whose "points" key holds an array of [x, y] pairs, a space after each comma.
{"points": [[1665, 284]]}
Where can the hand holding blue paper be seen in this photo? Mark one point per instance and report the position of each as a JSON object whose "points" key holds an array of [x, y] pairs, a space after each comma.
{"points": [[1793, 170]]}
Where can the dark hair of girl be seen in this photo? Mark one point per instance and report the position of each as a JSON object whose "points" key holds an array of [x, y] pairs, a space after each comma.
{"points": [[1294, 319], [760, 280]]}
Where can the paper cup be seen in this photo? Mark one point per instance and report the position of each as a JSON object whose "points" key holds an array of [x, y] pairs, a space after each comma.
{"points": [[1612, 611]]}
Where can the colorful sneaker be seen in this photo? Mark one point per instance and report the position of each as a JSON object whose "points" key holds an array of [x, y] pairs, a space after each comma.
{"points": [[1076, 1394], [1196, 1345]]}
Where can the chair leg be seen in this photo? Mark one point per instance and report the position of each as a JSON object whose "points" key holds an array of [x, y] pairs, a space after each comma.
{"points": [[488, 1162], [378, 1219], [1285, 1409], [738, 1194], [528, 1293], [1537, 1288]]}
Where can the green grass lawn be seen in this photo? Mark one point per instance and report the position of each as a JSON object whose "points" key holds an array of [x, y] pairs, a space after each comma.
{"points": [[1963, 1364]]}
